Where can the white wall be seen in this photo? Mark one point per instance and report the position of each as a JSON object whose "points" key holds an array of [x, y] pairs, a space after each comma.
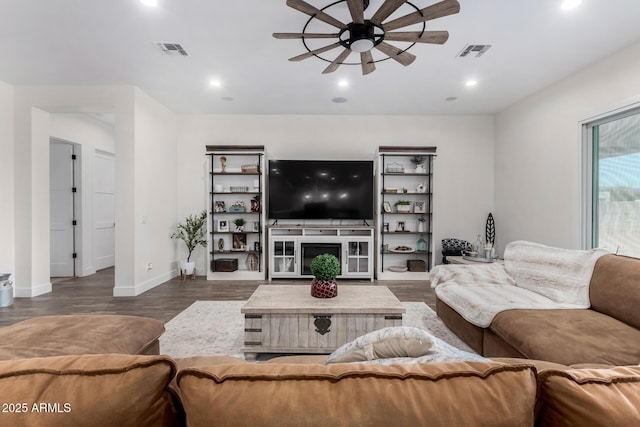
{"points": [[155, 183], [463, 168], [7, 235], [83, 129], [538, 150]]}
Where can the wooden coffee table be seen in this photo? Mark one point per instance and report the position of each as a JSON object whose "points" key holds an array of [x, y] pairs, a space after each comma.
{"points": [[287, 319]]}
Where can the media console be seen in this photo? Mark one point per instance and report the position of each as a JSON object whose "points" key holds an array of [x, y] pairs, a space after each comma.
{"points": [[291, 248]]}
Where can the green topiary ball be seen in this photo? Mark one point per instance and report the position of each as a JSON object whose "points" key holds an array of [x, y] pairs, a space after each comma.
{"points": [[325, 267]]}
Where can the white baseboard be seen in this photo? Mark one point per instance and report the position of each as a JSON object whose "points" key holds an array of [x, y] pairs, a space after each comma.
{"points": [[45, 288], [133, 291]]}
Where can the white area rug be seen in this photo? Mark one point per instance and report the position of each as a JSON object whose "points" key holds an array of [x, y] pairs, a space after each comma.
{"points": [[216, 328]]}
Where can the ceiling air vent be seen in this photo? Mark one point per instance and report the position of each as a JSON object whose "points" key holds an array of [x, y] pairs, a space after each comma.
{"points": [[173, 49], [472, 50]]}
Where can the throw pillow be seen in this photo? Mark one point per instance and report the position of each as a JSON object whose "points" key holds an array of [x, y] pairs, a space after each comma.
{"points": [[399, 344], [396, 341]]}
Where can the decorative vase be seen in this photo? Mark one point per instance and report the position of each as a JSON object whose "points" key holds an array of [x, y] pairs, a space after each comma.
{"points": [[421, 245], [420, 226], [324, 288], [419, 169]]}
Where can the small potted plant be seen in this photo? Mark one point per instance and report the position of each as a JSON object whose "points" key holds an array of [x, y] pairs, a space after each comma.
{"points": [[418, 162], [421, 221], [192, 233], [403, 206], [239, 222], [325, 268]]}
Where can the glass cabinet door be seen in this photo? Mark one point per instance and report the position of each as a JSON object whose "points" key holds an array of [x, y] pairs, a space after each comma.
{"points": [[358, 257], [284, 256]]}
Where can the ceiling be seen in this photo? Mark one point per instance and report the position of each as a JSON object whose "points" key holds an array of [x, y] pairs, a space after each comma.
{"points": [[534, 43]]}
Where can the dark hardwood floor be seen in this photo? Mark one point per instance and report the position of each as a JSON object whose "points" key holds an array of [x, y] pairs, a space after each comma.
{"points": [[93, 294]]}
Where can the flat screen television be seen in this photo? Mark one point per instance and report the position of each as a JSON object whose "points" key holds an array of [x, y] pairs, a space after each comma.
{"points": [[316, 189]]}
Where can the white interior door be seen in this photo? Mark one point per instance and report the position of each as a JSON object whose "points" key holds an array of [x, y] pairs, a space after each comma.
{"points": [[104, 210], [61, 209]]}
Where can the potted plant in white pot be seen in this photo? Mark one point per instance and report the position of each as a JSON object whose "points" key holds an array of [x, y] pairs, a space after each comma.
{"points": [[192, 233], [239, 222]]}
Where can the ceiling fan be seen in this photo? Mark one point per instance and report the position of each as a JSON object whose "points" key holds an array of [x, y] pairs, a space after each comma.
{"points": [[362, 35]]}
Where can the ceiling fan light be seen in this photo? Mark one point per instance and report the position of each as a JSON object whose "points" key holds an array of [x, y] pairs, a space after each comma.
{"points": [[361, 45]]}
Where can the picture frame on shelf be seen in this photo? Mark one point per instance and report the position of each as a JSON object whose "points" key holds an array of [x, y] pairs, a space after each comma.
{"points": [[400, 226], [419, 206], [385, 227], [223, 225], [256, 226], [219, 207], [386, 206], [256, 246], [239, 241]]}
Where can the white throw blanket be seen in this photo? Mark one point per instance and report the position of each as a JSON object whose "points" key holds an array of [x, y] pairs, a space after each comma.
{"points": [[534, 277], [562, 275]]}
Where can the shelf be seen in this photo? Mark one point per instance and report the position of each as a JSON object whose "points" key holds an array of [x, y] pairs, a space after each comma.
{"points": [[398, 233], [235, 173], [405, 213], [405, 174], [229, 193], [234, 252], [415, 186], [407, 253], [234, 213], [244, 169], [384, 193], [234, 232]]}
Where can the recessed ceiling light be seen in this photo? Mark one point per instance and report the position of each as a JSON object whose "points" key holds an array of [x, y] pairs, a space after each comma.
{"points": [[339, 100], [471, 83], [570, 4], [150, 3], [343, 83], [215, 83]]}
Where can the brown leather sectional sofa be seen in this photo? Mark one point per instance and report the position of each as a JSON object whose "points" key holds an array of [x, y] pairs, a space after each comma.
{"points": [[135, 390], [608, 333]]}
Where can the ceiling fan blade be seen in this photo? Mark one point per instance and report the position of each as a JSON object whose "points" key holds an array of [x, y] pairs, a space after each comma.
{"points": [[438, 10], [305, 35], [337, 62], [315, 52], [387, 8], [435, 37], [356, 8], [367, 63], [314, 12], [405, 58]]}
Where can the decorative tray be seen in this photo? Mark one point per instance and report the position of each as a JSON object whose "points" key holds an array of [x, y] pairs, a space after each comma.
{"points": [[398, 269], [477, 259], [402, 251]]}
